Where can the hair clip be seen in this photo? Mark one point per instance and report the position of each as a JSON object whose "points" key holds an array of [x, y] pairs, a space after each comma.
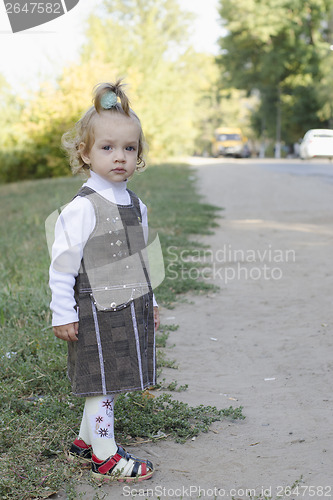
{"points": [[108, 100]]}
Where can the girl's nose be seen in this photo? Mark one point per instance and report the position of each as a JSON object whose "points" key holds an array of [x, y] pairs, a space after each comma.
{"points": [[119, 155]]}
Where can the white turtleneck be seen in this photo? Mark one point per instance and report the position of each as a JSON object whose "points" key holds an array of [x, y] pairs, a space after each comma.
{"points": [[72, 230]]}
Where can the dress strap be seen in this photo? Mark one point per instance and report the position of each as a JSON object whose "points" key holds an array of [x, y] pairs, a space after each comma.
{"points": [[84, 191], [136, 203]]}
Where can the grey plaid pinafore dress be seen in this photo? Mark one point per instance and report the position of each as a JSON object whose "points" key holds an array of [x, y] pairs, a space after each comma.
{"points": [[115, 351]]}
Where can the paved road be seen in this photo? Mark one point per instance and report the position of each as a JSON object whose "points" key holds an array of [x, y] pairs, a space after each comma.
{"points": [[274, 337], [322, 169]]}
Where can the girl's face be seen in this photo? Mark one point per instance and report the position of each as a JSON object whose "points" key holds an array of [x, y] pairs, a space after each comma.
{"points": [[115, 150]]}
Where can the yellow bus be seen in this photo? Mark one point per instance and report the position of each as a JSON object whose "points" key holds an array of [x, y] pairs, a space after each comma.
{"points": [[230, 141]]}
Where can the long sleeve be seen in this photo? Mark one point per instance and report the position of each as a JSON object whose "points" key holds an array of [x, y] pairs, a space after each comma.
{"points": [[72, 230]]}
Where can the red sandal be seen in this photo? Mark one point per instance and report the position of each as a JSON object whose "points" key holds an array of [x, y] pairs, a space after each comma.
{"points": [[121, 467]]}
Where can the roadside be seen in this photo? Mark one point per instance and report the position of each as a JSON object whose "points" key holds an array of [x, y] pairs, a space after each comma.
{"points": [[264, 341], [272, 322]]}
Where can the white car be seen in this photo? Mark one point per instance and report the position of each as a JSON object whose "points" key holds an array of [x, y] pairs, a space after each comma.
{"points": [[317, 143]]}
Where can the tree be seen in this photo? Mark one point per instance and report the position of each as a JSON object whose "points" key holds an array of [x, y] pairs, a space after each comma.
{"points": [[10, 113], [147, 43], [275, 47], [220, 105]]}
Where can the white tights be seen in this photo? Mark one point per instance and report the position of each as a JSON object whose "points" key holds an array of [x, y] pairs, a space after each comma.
{"points": [[97, 425]]}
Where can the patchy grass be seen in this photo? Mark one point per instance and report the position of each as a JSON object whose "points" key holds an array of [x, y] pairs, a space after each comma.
{"points": [[39, 417], [147, 417]]}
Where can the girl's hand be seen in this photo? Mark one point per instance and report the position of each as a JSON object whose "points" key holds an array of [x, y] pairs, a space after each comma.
{"points": [[156, 318], [67, 332]]}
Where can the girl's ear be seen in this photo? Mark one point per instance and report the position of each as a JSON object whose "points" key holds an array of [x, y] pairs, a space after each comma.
{"points": [[83, 153]]}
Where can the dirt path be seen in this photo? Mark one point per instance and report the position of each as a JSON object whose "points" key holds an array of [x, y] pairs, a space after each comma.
{"points": [[264, 341]]}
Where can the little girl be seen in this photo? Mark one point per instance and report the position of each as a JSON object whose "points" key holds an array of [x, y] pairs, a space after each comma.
{"points": [[102, 300]]}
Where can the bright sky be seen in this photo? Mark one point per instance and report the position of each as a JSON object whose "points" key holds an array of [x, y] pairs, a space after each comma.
{"points": [[30, 56]]}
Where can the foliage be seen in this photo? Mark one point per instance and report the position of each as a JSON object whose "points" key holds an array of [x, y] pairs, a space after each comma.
{"points": [[276, 48], [32, 148], [146, 42], [38, 417]]}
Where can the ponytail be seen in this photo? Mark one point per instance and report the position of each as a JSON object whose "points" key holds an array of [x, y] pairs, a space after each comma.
{"points": [[106, 96]]}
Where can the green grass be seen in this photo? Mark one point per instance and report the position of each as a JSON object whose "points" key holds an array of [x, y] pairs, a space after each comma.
{"points": [[146, 417], [38, 415]]}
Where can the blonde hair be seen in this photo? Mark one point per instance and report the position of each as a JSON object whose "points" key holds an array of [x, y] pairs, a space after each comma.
{"points": [[83, 131]]}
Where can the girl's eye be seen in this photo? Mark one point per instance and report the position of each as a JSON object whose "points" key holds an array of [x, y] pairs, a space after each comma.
{"points": [[130, 148], [107, 148]]}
